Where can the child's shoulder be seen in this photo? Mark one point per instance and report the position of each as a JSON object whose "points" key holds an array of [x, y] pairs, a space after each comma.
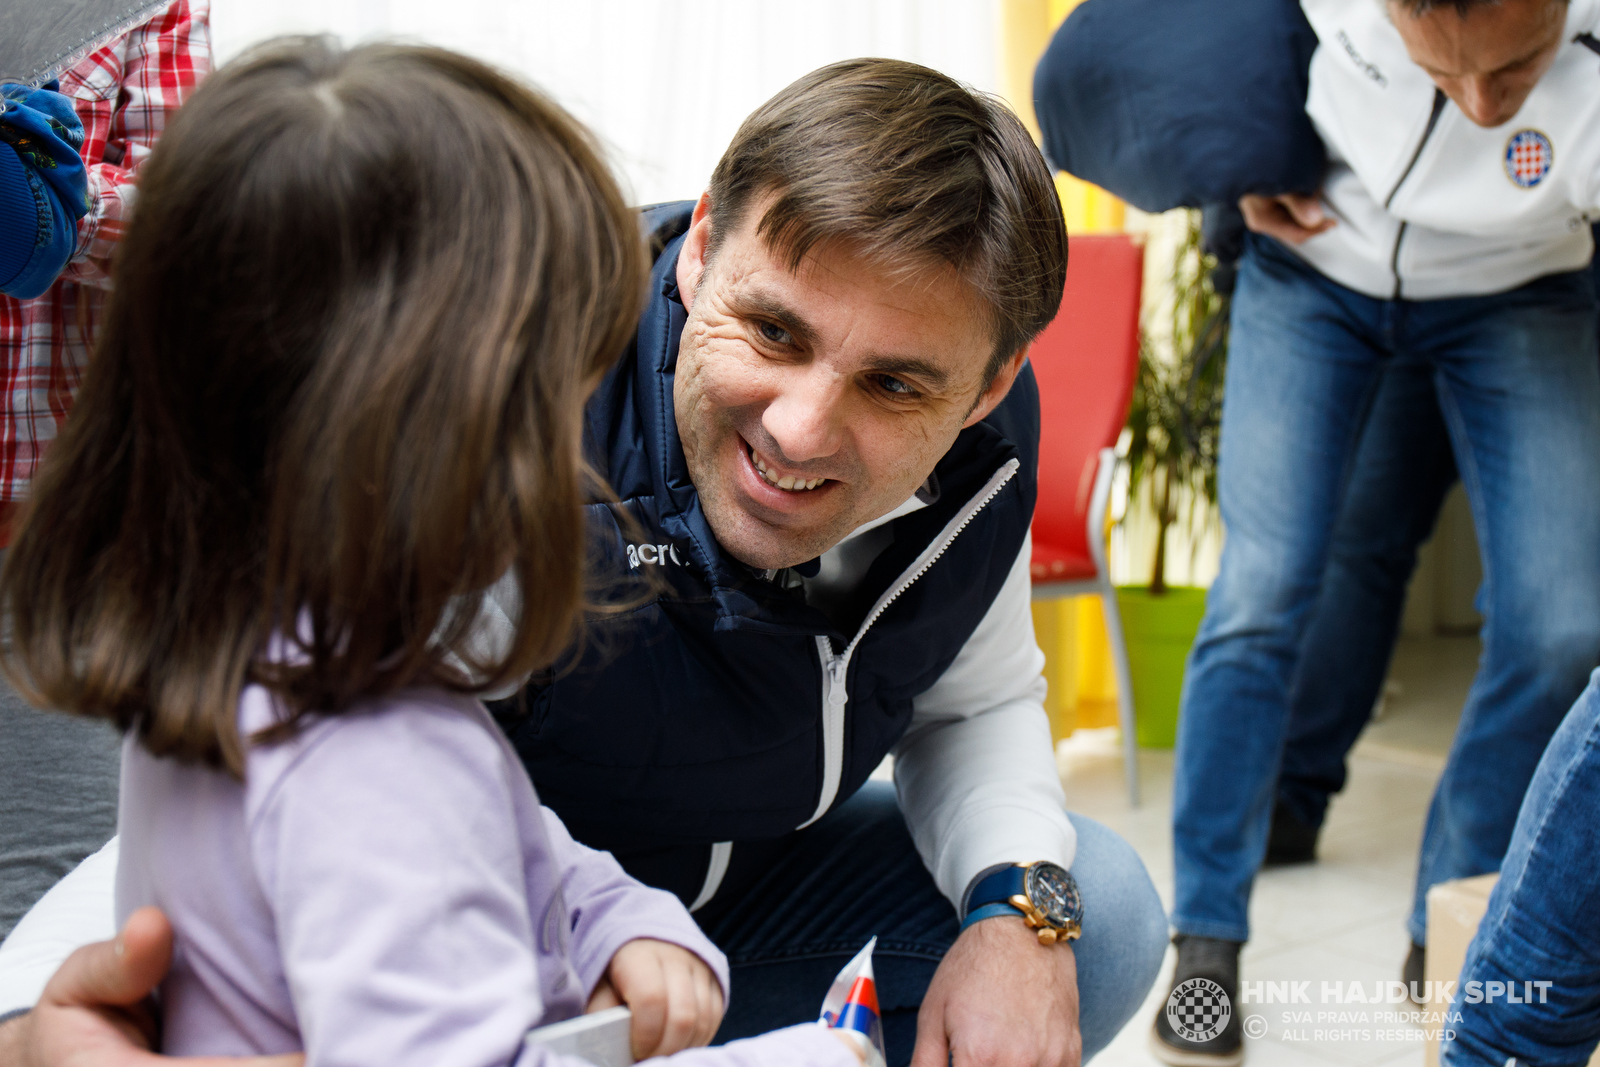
{"points": [[423, 739]]}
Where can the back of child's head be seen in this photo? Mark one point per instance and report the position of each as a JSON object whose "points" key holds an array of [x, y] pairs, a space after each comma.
{"points": [[339, 391]]}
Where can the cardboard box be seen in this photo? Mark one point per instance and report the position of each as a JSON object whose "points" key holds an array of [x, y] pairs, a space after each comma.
{"points": [[1454, 911]]}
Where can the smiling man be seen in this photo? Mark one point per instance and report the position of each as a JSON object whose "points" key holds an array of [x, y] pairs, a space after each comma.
{"points": [[815, 398], [823, 443], [826, 435], [1451, 238]]}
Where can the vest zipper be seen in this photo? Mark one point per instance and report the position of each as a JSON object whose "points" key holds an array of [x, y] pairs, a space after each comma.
{"points": [[836, 669], [1400, 235], [716, 871]]}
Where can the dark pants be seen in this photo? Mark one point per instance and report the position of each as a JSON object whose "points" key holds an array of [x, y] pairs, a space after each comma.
{"points": [[856, 873]]}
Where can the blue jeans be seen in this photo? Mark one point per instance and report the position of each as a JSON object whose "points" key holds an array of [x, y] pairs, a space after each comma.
{"points": [[1519, 387], [1402, 470], [1540, 926], [856, 873]]}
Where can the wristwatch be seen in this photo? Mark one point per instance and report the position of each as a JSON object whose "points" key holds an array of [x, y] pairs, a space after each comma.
{"points": [[1044, 894]]}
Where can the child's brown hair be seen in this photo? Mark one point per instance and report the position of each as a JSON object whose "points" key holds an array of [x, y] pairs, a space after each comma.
{"points": [[338, 393]]}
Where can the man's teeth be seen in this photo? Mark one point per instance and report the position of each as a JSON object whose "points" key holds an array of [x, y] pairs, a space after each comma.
{"points": [[788, 481]]}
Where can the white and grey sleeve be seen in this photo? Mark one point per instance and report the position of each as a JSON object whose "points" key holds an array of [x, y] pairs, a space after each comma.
{"points": [[976, 772]]}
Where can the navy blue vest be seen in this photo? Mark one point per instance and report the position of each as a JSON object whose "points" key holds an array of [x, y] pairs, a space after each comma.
{"points": [[724, 708]]}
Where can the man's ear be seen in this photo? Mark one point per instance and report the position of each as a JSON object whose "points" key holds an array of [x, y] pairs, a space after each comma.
{"points": [[692, 257], [990, 398]]}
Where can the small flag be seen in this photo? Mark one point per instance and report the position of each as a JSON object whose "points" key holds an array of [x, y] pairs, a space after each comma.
{"points": [[852, 1004]]}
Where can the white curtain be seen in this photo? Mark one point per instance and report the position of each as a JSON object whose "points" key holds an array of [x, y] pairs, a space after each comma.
{"points": [[665, 83]]}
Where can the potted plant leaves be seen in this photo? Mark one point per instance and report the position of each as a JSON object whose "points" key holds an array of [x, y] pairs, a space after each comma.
{"points": [[1174, 433]]}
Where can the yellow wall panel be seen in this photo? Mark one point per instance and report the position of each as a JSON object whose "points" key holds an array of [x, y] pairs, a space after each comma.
{"points": [[1071, 632], [1025, 29], [1055, 625], [1077, 664], [1097, 675], [1060, 9], [1088, 208]]}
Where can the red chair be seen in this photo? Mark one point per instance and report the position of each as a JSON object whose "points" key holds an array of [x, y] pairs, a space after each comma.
{"points": [[1086, 362]]}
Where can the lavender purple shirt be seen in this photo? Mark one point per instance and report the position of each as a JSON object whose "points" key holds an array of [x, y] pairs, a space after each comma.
{"points": [[384, 890]]}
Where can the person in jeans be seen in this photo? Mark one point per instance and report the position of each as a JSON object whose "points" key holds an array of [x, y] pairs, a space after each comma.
{"points": [[1397, 485], [1389, 512], [1450, 233], [1539, 926]]}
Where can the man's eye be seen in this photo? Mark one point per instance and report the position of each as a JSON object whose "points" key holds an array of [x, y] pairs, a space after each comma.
{"points": [[775, 334], [895, 385]]}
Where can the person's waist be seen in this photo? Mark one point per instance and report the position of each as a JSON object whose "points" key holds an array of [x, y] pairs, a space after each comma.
{"points": [[1416, 262]]}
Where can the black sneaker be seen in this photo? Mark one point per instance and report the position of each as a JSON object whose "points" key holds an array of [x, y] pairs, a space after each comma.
{"points": [[1414, 972], [1292, 840], [1199, 1026]]}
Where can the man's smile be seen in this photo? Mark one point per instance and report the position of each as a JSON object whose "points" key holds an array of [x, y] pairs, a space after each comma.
{"points": [[772, 492], [775, 476]]}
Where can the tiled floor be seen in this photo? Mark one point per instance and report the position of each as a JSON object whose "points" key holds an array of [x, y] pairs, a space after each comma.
{"points": [[1336, 921]]}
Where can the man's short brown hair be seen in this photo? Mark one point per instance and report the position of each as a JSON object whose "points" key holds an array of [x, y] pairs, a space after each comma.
{"points": [[911, 168]]}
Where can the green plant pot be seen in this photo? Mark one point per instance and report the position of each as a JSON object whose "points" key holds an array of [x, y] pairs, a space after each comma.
{"points": [[1159, 631]]}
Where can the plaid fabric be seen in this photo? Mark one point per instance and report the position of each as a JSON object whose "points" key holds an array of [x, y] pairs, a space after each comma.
{"points": [[123, 93]]}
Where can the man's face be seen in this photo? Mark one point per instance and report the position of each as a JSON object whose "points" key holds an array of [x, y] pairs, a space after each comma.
{"points": [[1489, 60], [813, 401]]}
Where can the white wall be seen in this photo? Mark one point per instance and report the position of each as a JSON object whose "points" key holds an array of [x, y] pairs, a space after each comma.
{"points": [[664, 82]]}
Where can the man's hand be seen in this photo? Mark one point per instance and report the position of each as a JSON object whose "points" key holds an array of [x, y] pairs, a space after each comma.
{"points": [[1000, 998], [93, 1012], [676, 1000], [1290, 217]]}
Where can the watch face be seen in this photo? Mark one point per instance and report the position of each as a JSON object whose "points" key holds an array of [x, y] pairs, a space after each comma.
{"points": [[1054, 893]]}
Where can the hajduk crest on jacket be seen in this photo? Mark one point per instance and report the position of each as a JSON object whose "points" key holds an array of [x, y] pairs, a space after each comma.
{"points": [[1429, 204]]}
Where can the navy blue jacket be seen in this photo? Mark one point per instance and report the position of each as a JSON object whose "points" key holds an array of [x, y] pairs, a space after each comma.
{"points": [[703, 716]]}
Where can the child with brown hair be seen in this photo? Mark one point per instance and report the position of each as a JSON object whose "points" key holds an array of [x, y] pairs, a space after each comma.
{"points": [[338, 395]]}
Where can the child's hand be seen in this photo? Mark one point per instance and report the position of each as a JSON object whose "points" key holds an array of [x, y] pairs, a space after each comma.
{"points": [[676, 1000]]}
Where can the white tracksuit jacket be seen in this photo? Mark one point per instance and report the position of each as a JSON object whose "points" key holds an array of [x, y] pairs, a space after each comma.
{"points": [[1430, 204]]}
